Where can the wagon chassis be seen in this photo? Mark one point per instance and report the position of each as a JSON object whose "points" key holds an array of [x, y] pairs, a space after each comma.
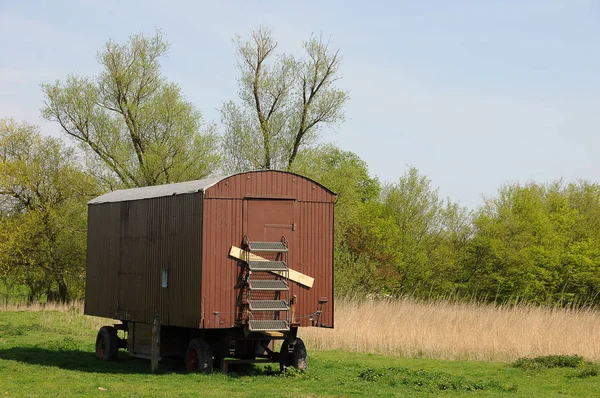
{"points": [[225, 347]]}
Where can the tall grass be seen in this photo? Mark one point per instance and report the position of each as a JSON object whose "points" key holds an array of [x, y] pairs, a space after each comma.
{"points": [[466, 331], [406, 327], [74, 306], [58, 315]]}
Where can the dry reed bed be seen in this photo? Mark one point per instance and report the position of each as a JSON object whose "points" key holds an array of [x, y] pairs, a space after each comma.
{"points": [[441, 329], [74, 306], [458, 330], [71, 315]]}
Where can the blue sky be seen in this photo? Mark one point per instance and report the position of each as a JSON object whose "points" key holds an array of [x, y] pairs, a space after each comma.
{"points": [[474, 94]]}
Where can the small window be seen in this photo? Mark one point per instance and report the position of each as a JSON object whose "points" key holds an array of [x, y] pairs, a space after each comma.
{"points": [[164, 277]]}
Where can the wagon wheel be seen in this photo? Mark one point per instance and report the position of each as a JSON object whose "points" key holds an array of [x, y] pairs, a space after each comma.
{"points": [[107, 343], [198, 357], [296, 358]]}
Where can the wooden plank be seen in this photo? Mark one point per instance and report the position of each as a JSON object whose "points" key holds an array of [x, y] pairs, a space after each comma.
{"points": [[273, 334], [295, 276], [155, 348]]}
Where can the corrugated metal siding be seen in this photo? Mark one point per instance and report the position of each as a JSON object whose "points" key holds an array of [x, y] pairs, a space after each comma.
{"points": [[222, 229], [269, 184], [134, 300], [175, 243], [189, 275], [314, 257], [311, 245], [102, 261], [129, 243]]}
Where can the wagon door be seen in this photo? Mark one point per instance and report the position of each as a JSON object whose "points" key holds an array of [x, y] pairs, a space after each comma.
{"points": [[268, 297], [269, 220]]}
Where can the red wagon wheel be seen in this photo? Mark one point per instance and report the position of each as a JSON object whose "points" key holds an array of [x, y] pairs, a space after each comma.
{"points": [[107, 343], [198, 357]]}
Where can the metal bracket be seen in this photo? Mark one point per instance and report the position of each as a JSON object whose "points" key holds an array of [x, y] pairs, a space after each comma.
{"points": [[316, 317]]}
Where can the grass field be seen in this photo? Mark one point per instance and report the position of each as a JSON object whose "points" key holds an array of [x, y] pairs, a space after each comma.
{"points": [[50, 353]]}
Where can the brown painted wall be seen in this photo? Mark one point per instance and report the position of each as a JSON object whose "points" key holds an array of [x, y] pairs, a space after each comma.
{"points": [[310, 251], [315, 258], [129, 243], [269, 184], [222, 229], [102, 260]]}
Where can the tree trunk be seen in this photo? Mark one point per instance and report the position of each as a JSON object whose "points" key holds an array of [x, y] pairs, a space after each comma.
{"points": [[63, 293]]}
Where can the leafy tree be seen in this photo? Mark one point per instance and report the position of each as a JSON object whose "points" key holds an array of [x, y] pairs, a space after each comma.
{"points": [[347, 175], [584, 198], [539, 243], [453, 252], [43, 193], [511, 226], [284, 102], [415, 209], [418, 241], [581, 265], [344, 172], [135, 126]]}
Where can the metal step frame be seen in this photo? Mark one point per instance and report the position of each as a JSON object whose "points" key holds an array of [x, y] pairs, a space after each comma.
{"points": [[267, 297], [267, 247], [268, 325], [268, 285], [267, 266], [268, 305]]}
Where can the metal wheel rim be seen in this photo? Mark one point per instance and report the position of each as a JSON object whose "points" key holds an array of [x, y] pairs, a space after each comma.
{"points": [[100, 346], [193, 359]]}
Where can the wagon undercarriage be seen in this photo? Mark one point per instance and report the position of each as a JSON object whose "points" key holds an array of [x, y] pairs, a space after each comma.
{"points": [[202, 350]]}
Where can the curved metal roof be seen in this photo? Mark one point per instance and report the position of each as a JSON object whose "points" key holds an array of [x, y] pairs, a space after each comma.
{"points": [[156, 191], [179, 188]]}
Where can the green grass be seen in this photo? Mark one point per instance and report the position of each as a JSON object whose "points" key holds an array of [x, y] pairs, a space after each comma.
{"points": [[50, 353], [551, 361]]}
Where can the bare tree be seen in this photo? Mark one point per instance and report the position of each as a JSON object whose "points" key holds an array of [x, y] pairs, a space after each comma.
{"points": [[283, 102]]}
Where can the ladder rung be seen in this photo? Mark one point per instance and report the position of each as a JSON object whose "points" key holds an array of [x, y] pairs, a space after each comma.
{"points": [[268, 305], [278, 247], [268, 325], [267, 266], [267, 285]]}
